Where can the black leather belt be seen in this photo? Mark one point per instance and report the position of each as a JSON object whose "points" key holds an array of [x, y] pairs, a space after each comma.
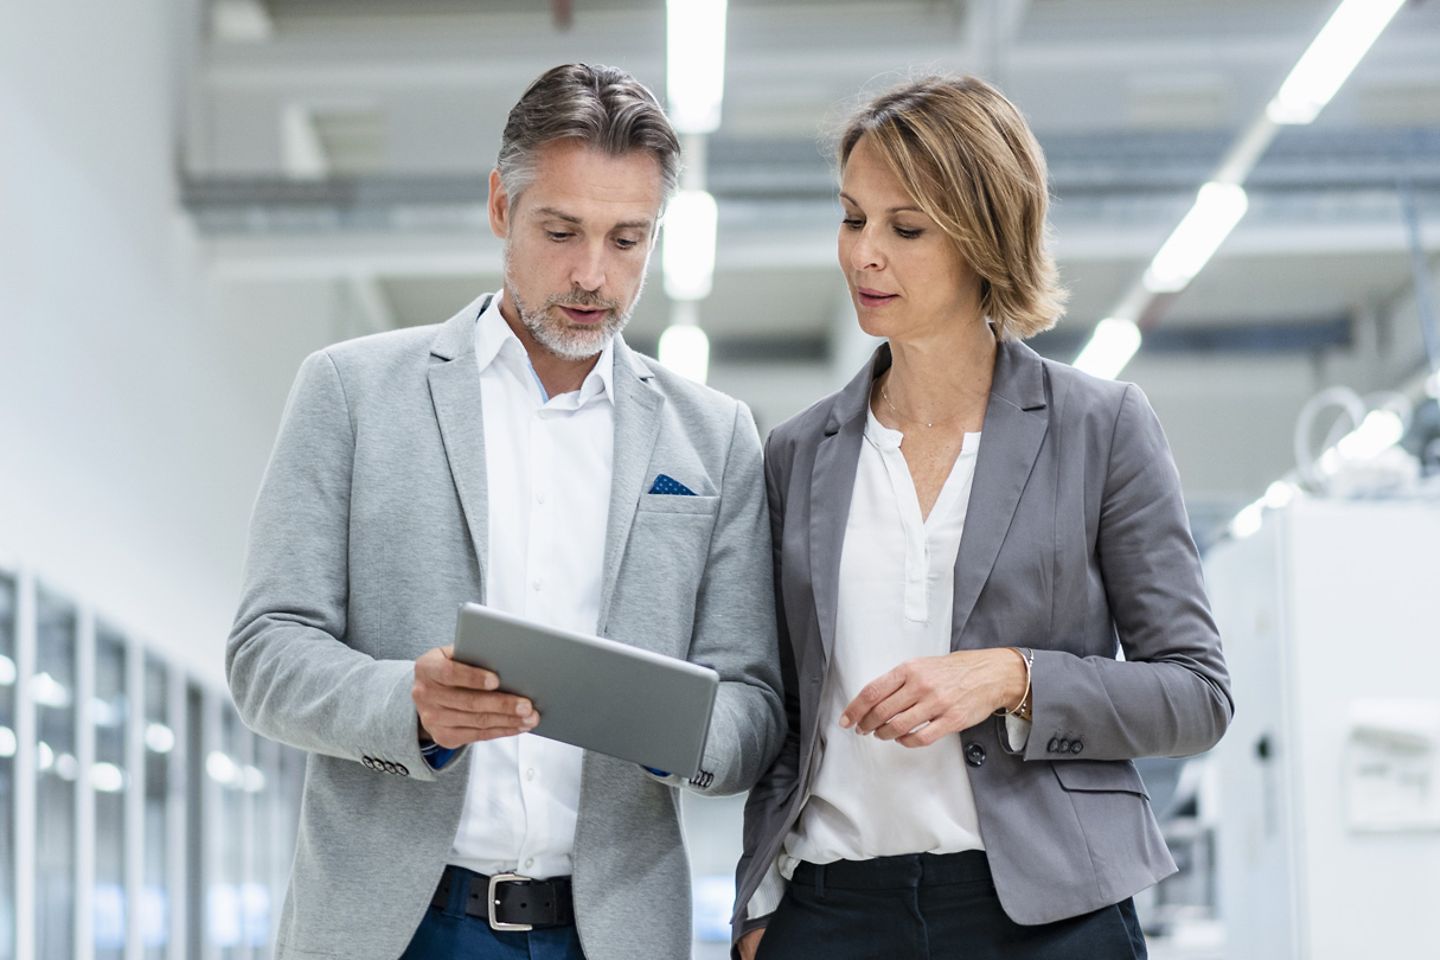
{"points": [[507, 900]]}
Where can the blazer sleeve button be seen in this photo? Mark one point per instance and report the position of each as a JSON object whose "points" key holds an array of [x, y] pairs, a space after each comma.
{"points": [[1076, 746]]}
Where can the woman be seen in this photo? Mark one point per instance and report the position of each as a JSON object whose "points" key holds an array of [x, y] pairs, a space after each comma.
{"points": [[962, 535]]}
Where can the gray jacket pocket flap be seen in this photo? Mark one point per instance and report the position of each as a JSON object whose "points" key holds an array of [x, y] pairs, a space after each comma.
{"points": [[1099, 776], [672, 503]]}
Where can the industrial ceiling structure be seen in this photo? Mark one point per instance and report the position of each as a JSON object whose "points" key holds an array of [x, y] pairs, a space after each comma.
{"points": [[343, 146]]}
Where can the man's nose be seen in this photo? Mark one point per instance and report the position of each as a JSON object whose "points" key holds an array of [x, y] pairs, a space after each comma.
{"points": [[589, 271]]}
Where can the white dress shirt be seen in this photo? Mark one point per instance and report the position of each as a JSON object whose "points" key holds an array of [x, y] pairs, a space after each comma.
{"points": [[548, 476], [876, 798]]}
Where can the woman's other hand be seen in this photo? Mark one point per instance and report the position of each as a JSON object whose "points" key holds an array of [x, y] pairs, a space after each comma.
{"points": [[940, 695], [749, 944]]}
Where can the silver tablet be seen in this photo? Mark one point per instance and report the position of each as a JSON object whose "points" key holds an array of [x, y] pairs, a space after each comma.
{"points": [[595, 693]]}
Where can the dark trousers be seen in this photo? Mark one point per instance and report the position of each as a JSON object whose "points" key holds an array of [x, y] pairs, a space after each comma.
{"points": [[930, 907], [448, 933]]}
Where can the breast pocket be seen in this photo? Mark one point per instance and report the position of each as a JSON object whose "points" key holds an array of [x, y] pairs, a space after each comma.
{"points": [[674, 503]]}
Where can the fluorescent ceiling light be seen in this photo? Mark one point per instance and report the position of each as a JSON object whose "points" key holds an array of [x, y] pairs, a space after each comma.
{"points": [[1218, 207], [49, 692], [1331, 57], [8, 743], [107, 778], [695, 63], [1378, 432], [221, 768], [688, 245], [685, 349], [252, 779], [159, 738], [1111, 346], [1248, 521], [7, 671], [1278, 495]]}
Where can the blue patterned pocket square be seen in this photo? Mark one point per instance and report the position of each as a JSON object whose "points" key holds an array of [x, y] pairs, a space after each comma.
{"points": [[669, 485]]}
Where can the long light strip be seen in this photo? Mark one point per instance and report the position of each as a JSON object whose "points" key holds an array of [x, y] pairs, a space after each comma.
{"points": [[695, 63], [1110, 348], [688, 245], [1320, 72], [1330, 59], [1218, 208], [685, 349]]}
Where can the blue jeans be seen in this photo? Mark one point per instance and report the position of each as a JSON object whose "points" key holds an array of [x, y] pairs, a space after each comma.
{"points": [[451, 933]]}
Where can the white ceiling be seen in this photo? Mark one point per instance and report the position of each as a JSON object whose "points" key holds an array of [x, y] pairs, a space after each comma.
{"points": [[1133, 99]]}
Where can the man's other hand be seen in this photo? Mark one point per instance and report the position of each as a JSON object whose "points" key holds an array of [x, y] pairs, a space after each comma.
{"points": [[459, 704]]}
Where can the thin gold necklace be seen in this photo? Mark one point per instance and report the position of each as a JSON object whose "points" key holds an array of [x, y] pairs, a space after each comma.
{"points": [[930, 424]]}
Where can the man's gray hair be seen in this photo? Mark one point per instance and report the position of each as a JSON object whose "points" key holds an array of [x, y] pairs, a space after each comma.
{"points": [[603, 107]]}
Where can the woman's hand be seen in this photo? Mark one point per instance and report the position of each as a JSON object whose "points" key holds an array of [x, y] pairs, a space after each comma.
{"points": [[941, 695], [750, 943]]}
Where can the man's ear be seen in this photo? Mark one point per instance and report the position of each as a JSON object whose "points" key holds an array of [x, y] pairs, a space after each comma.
{"points": [[499, 207]]}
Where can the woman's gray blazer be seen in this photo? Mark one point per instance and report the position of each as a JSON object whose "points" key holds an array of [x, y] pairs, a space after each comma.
{"points": [[1076, 544]]}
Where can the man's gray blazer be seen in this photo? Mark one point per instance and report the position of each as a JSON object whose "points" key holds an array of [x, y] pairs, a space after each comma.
{"points": [[369, 532], [1076, 535]]}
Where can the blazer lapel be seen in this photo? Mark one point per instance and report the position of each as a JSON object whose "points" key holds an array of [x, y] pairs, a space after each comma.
{"points": [[832, 484], [1016, 422], [455, 393], [637, 426]]}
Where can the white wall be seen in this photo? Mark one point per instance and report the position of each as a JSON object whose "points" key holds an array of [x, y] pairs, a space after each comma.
{"points": [[132, 435]]}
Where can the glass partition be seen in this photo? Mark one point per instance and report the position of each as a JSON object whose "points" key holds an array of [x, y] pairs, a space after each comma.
{"points": [[9, 678], [56, 769], [110, 711], [156, 884]]}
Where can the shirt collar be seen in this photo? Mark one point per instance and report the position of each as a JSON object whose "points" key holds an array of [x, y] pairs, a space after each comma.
{"points": [[496, 342]]}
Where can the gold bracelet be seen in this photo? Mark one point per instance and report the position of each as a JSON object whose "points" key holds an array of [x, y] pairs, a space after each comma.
{"points": [[1022, 709]]}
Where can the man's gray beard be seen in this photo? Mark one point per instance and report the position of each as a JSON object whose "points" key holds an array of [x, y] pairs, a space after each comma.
{"points": [[561, 338]]}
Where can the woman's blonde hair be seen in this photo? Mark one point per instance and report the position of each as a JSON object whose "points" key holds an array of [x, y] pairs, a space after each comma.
{"points": [[966, 157]]}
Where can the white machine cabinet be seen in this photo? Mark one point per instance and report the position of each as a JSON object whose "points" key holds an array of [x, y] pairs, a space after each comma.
{"points": [[1329, 837]]}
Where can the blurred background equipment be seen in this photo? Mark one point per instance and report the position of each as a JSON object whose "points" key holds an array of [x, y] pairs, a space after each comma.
{"points": [[1329, 778]]}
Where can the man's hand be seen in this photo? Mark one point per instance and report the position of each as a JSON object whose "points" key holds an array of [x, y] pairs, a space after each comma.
{"points": [[750, 943], [457, 704], [941, 695]]}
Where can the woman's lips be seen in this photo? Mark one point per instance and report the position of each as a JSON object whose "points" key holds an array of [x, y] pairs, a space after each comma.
{"points": [[874, 298]]}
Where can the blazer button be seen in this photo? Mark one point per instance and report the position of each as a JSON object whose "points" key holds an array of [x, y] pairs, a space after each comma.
{"points": [[975, 755], [368, 761], [1064, 745], [1076, 746], [389, 767], [1053, 746], [401, 769]]}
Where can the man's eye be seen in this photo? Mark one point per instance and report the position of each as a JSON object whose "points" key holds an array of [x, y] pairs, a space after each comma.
{"points": [[558, 235], [624, 243]]}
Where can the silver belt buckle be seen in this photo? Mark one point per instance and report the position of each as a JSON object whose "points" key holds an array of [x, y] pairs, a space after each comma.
{"points": [[495, 923]]}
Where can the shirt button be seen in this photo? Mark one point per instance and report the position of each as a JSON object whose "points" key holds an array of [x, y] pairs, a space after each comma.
{"points": [[539, 497], [529, 861], [530, 774], [535, 584]]}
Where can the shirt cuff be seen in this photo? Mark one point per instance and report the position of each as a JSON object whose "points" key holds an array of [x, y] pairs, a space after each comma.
{"points": [[766, 899], [436, 756], [1017, 732]]}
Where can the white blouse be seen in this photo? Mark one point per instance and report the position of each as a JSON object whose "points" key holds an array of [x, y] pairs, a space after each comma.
{"points": [[870, 797]]}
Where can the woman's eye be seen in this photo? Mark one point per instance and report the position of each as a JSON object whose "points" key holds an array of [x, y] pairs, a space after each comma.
{"points": [[908, 234], [854, 223]]}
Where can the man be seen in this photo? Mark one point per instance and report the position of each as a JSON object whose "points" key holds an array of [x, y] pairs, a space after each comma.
{"points": [[518, 454]]}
